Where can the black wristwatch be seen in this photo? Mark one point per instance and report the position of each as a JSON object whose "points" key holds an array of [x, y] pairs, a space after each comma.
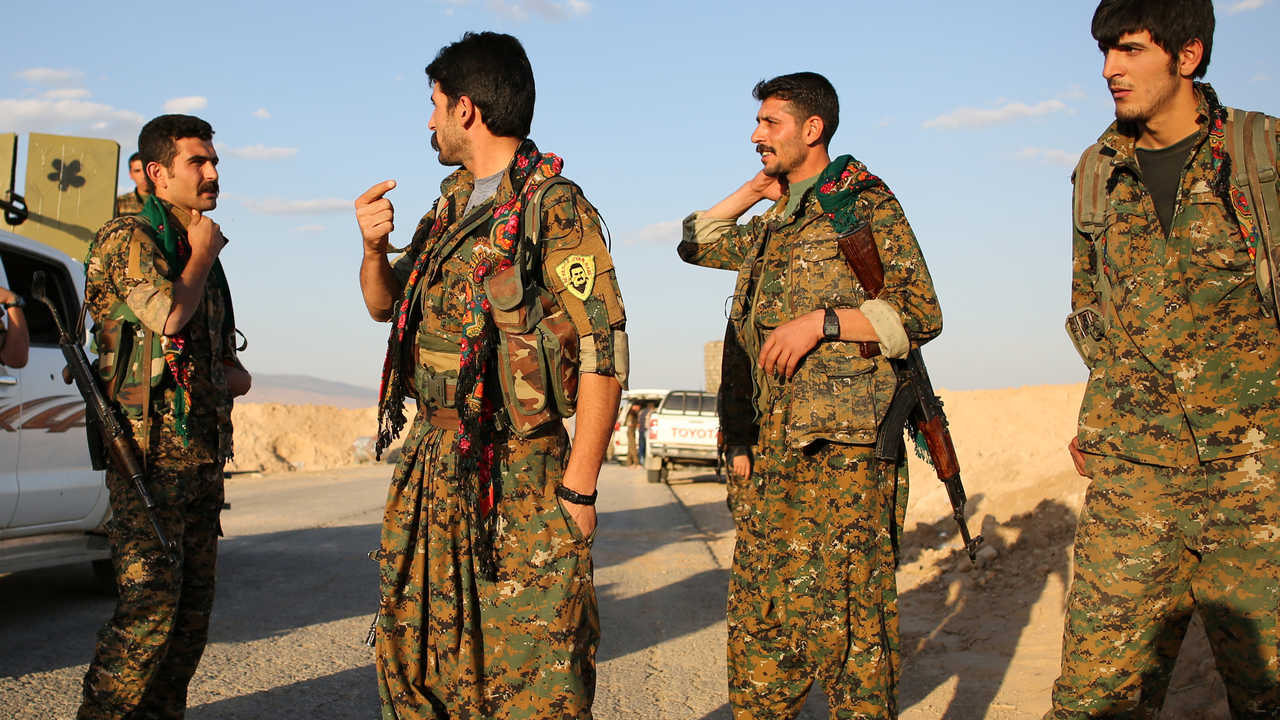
{"points": [[21, 302], [830, 325], [576, 498]]}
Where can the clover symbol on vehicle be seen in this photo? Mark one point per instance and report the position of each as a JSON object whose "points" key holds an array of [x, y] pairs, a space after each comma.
{"points": [[66, 175]]}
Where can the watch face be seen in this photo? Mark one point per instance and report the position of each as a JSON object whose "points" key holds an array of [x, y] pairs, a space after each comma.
{"points": [[831, 325]]}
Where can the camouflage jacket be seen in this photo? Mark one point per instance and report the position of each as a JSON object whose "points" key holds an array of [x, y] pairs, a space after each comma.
{"points": [[129, 203], [1187, 369], [789, 265], [129, 293], [575, 267]]}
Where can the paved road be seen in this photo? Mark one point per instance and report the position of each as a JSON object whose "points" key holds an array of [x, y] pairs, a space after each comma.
{"points": [[296, 592]]}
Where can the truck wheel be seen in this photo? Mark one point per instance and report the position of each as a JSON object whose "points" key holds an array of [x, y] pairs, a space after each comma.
{"points": [[664, 475], [655, 476], [104, 577]]}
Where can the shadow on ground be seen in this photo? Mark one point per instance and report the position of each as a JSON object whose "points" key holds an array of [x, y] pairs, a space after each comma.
{"points": [[267, 585], [342, 692], [961, 616]]}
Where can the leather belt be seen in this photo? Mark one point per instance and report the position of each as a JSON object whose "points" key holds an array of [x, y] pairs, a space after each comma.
{"points": [[443, 418]]}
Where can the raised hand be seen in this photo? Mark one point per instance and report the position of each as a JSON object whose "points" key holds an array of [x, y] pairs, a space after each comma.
{"points": [[204, 235], [376, 217]]}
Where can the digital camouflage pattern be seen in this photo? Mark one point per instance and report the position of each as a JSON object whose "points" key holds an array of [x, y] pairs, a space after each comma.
{"points": [[149, 649], [812, 591], [451, 644], [1187, 370], [129, 203], [128, 293], [1180, 417], [790, 265], [1155, 544], [739, 431]]}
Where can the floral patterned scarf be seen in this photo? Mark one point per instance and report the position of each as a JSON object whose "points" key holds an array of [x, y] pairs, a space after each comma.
{"points": [[838, 188], [478, 464]]}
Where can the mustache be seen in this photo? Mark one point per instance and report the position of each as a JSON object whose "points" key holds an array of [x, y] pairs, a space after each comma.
{"points": [[209, 186], [762, 149], [435, 144]]}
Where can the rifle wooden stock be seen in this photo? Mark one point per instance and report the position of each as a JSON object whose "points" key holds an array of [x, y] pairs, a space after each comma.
{"points": [[943, 453], [914, 404], [859, 248]]}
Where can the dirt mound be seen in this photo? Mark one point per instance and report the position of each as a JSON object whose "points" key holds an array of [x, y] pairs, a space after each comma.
{"points": [[272, 437]]}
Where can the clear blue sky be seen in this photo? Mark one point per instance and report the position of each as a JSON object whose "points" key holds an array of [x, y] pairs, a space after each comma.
{"points": [[972, 112]]}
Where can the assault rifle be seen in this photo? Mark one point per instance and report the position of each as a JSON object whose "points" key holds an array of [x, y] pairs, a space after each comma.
{"points": [[915, 407], [100, 414]]}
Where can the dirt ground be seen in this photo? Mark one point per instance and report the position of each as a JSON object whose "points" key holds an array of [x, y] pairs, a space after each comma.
{"points": [[979, 642]]}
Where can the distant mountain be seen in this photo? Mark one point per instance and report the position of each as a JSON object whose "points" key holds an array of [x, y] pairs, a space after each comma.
{"points": [[307, 390]]}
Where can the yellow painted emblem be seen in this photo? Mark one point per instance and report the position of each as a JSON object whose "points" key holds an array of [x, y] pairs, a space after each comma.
{"points": [[578, 273]]}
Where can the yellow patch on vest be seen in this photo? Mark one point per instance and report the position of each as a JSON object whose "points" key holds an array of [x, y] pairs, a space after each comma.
{"points": [[578, 273]]}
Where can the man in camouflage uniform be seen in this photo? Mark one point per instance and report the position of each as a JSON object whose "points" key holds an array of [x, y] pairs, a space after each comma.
{"points": [[738, 429], [488, 608], [812, 591], [166, 357], [131, 203], [1180, 423]]}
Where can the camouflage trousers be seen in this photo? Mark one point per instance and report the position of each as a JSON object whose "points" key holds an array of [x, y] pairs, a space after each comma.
{"points": [[149, 649], [1155, 544], [812, 593], [451, 645]]}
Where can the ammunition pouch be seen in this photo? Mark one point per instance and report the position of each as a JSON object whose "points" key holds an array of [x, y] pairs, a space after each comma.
{"points": [[130, 361], [435, 389], [1087, 329], [537, 351]]}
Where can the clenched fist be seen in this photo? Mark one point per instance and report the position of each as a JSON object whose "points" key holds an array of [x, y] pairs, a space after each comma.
{"points": [[376, 217], [204, 235]]}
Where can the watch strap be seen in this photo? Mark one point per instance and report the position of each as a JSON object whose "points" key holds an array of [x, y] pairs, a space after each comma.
{"points": [[830, 325], [576, 498]]}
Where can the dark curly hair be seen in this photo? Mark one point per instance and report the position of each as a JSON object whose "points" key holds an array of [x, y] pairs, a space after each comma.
{"points": [[809, 93]]}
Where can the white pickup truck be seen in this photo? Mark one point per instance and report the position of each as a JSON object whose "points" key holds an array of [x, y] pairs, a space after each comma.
{"points": [[683, 433], [53, 505]]}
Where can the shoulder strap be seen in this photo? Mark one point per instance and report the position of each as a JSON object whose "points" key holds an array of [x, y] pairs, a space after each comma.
{"points": [[528, 252], [1089, 209], [1251, 145]]}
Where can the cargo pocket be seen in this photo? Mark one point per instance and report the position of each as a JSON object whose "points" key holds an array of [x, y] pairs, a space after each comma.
{"points": [[838, 397], [559, 350], [523, 368]]}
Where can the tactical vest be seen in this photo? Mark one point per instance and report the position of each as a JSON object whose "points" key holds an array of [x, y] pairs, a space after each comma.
{"points": [[1251, 145], [538, 344]]}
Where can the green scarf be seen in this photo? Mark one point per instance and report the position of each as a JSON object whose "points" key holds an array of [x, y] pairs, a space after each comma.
{"points": [[177, 251], [839, 186]]}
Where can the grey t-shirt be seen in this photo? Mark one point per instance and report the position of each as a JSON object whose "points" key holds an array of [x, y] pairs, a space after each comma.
{"points": [[1161, 172], [484, 189]]}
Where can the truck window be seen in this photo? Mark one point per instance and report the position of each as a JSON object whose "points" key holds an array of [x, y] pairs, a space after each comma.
{"points": [[675, 403], [708, 405], [19, 267]]}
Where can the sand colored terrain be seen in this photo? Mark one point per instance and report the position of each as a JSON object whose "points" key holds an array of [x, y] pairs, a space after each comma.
{"points": [[273, 437], [1002, 620]]}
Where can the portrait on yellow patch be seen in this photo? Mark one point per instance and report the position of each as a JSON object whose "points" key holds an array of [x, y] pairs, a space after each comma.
{"points": [[578, 273]]}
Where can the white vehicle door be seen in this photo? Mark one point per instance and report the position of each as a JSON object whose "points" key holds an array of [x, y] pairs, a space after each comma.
{"points": [[55, 479], [10, 409]]}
